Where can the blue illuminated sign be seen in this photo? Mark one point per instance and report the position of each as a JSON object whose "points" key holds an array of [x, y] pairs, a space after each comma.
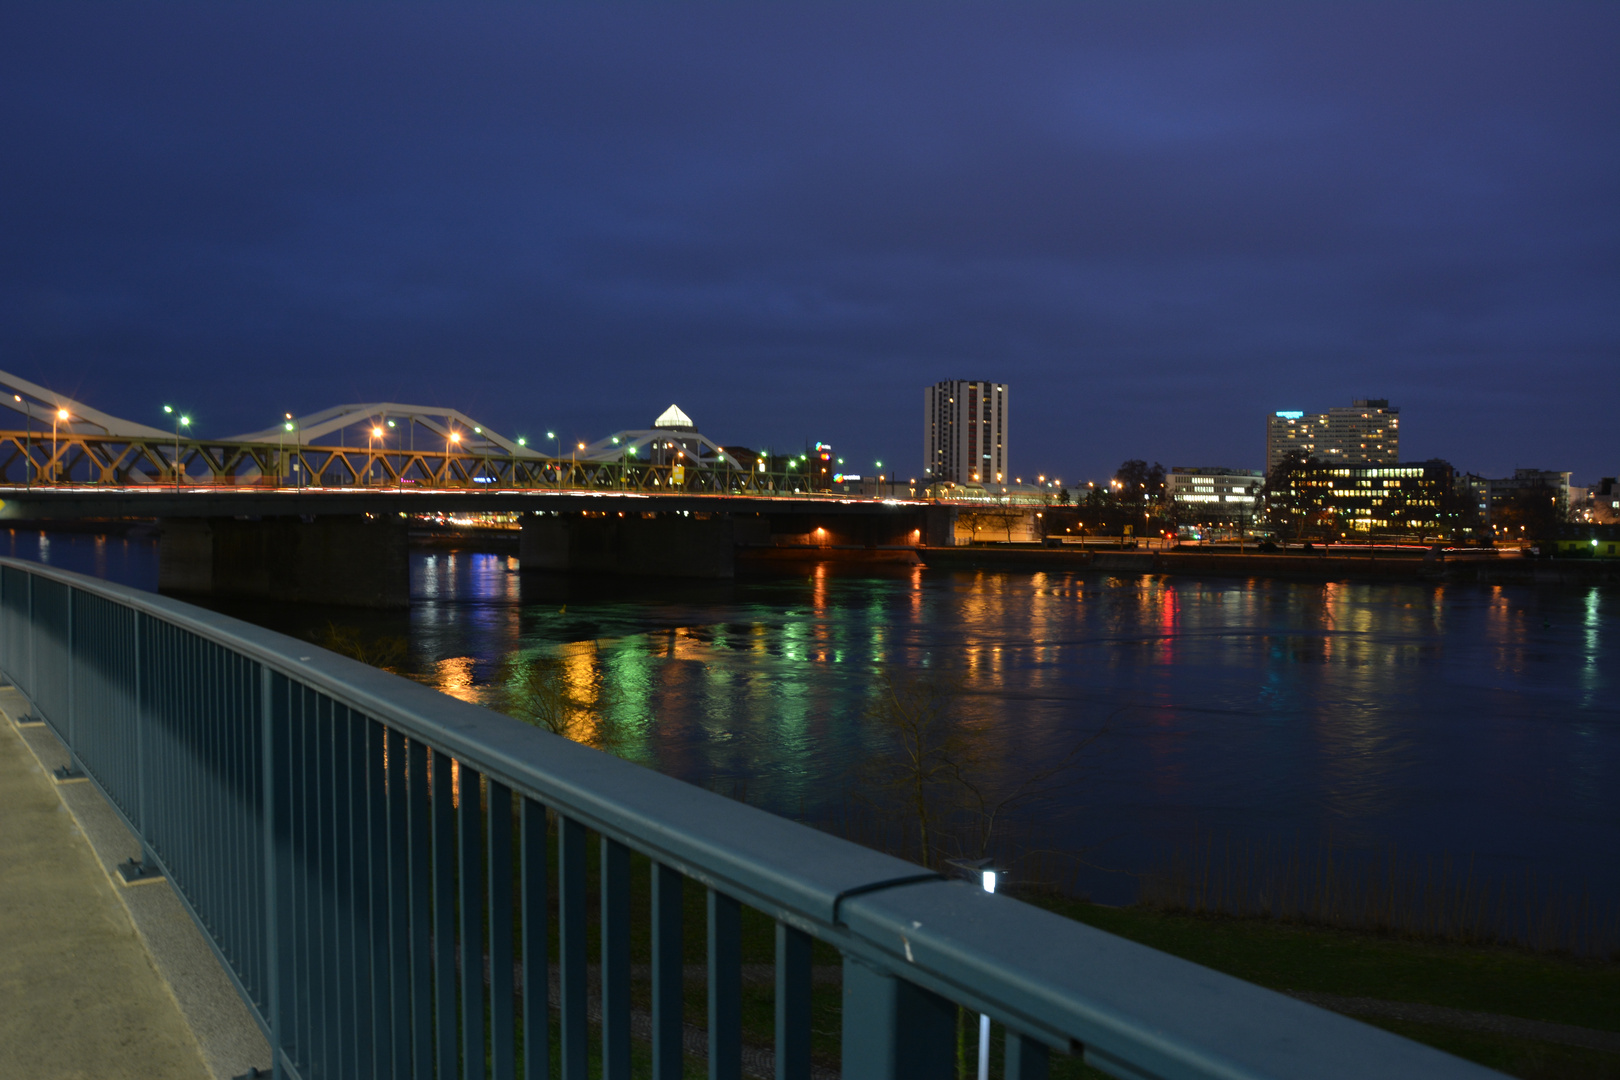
{"points": [[1291, 415]]}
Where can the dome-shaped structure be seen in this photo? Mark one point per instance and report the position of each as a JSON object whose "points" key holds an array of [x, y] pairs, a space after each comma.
{"points": [[673, 419]]}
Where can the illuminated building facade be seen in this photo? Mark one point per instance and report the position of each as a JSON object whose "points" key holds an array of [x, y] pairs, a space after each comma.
{"points": [[1409, 498], [823, 467], [965, 432], [1531, 483], [1367, 431], [1213, 494]]}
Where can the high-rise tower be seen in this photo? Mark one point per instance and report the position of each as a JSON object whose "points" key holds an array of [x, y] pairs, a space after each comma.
{"points": [[1368, 432], [965, 432]]}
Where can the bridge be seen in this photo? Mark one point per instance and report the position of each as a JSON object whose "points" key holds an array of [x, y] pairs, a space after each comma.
{"points": [[377, 445], [282, 513], [381, 872]]}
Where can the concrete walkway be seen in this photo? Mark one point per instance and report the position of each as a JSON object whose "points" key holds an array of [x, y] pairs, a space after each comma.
{"points": [[97, 978], [79, 996]]}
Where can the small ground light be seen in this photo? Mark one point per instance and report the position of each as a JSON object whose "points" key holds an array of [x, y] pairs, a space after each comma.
{"points": [[987, 874]]}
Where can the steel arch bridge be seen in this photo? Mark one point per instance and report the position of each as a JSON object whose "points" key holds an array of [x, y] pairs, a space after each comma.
{"points": [[63, 442]]}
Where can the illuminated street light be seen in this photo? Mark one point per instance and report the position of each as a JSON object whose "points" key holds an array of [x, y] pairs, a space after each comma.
{"points": [[291, 424], [61, 414], [371, 450], [180, 421]]}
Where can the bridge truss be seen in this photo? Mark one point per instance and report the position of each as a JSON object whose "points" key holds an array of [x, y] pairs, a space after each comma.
{"points": [[82, 458]]}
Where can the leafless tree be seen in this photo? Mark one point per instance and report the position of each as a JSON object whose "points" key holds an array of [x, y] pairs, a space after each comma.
{"points": [[543, 691], [942, 772]]}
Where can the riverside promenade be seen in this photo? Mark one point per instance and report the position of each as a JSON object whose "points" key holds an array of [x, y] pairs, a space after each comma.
{"points": [[97, 979]]}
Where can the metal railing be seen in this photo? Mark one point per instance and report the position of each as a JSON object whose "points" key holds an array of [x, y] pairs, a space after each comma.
{"points": [[351, 843]]}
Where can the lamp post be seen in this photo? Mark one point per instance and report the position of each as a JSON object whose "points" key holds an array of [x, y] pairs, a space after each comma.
{"points": [[556, 456], [453, 439], [573, 457], [403, 467], [180, 420], [298, 441], [60, 414], [371, 451], [28, 440]]}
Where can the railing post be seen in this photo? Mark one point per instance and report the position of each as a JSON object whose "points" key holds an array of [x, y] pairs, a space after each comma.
{"points": [[667, 963], [1026, 1058], [893, 1029], [792, 1003], [536, 969], [725, 987], [571, 916], [470, 844], [272, 811], [444, 927], [33, 648], [502, 1026], [73, 770], [144, 867], [615, 936]]}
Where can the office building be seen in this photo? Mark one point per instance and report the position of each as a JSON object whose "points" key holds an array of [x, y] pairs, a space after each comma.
{"points": [[1366, 432], [1214, 494], [1414, 498], [965, 432]]}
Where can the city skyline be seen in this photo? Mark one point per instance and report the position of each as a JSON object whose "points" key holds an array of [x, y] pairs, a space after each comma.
{"points": [[788, 220]]}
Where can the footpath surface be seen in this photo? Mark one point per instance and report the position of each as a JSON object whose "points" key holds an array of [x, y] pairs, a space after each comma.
{"points": [[98, 979]]}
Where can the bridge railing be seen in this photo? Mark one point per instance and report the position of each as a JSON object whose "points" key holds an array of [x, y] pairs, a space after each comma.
{"points": [[352, 844]]}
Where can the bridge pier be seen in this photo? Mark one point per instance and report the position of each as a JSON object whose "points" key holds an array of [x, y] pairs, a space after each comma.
{"points": [[637, 544], [357, 561]]}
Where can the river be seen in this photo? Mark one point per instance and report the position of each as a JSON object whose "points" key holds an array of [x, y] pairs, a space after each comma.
{"points": [[1476, 722]]}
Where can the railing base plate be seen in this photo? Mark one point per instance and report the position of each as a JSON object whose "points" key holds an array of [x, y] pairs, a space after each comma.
{"points": [[138, 873], [68, 774]]}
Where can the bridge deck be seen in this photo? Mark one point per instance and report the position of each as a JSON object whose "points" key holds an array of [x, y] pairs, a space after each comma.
{"points": [[224, 501]]}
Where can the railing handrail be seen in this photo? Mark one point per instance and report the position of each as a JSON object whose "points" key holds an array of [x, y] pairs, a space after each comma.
{"points": [[1135, 1011]]}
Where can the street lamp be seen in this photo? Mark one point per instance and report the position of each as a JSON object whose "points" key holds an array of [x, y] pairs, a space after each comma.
{"points": [[556, 455], [453, 439], [60, 414], [180, 420], [371, 451], [28, 440], [292, 425]]}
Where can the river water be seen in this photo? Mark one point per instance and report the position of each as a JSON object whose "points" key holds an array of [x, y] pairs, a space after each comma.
{"points": [[1475, 722]]}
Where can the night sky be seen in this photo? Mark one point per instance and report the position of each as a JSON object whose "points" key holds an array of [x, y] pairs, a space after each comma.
{"points": [[1157, 222]]}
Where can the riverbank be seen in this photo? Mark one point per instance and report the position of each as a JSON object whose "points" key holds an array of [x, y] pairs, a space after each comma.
{"points": [[1500, 1007], [1299, 565]]}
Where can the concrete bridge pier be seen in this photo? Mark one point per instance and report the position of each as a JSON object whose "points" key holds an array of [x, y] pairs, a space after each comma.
{"points": [[669, 544], [358, 561]]}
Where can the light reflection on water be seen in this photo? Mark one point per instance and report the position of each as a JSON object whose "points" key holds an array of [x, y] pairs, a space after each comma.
{"points": [[1458, 719], [1468, 720]]}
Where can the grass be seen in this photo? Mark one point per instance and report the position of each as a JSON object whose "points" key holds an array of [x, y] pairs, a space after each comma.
{"points": [[1495, 979], [1288, 956], [1268, 952], [1524, 1058], [1422, 897]]}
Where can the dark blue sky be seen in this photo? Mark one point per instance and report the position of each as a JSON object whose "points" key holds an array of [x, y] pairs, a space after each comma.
{"points": [[1158, 222]]}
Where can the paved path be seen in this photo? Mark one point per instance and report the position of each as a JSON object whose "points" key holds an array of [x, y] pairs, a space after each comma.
{"points": [[79, 996]]}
